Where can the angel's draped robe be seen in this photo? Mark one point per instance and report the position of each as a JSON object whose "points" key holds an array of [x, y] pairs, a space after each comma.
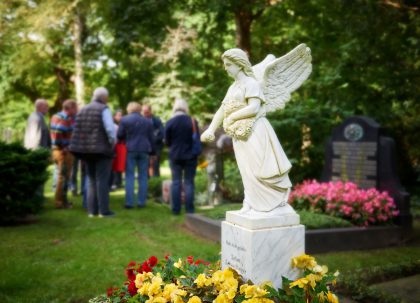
{"points": [[261, 160]]}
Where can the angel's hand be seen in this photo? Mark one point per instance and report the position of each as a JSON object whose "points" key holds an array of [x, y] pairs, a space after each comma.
{"points": [[207, 136]]}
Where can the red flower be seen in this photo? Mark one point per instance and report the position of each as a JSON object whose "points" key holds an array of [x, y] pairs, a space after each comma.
{"points": [[167, 256], [110, 291], [190, 259], [129, 271], [145, 267], [152, 261], [199, 261], [132, 288]]}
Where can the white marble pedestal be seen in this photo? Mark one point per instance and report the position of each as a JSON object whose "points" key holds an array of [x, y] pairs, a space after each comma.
{"points": [[261, 248]]}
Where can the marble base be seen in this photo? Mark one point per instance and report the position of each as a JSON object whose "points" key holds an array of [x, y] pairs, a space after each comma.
{"points": [[260, 222], [262, 254]]}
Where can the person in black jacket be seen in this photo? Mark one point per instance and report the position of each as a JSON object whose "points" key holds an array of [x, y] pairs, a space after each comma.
{"points": [[182, 160], [137, 132], [154, 165]]}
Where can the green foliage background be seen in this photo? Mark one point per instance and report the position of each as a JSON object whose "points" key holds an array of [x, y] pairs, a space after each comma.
{"points": [[365, 62]]}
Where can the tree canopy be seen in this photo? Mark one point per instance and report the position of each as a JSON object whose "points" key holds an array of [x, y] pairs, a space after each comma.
{"points": [[365, 61]]}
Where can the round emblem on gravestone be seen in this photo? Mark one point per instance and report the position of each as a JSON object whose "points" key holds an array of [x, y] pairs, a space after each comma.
{"points": [[353, 132]]}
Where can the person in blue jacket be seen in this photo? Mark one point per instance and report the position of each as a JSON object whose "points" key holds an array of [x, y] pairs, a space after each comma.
{"points": [[182, 158], [137, 132]]}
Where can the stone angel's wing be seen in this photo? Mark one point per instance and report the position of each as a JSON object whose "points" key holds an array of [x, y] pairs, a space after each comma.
{"points": [[284, 75]]}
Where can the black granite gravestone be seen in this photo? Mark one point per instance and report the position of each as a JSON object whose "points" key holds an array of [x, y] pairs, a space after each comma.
{"points": [[358, 152]]}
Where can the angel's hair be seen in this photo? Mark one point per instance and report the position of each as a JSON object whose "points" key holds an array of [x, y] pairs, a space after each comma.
{"points": [[240, 58]]}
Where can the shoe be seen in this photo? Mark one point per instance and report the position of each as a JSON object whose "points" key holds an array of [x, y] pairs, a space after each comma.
{"points": [[108, 214], [128, 206], [92, 215], [141, 206]]}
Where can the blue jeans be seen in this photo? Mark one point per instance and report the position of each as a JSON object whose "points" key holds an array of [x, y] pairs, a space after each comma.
{"points": [[98, 171], [141, 161], [183, 172]]}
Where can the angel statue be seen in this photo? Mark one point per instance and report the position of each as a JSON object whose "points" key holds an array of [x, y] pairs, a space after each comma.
{"points": [[257, 90]]}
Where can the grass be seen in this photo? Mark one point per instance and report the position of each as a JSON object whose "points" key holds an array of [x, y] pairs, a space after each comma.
{"points": [[67, 257], [309, 219]]}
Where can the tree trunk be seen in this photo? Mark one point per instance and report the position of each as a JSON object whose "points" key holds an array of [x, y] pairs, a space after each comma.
{"points": [[78, 58], [63, 79], [243, 21]]}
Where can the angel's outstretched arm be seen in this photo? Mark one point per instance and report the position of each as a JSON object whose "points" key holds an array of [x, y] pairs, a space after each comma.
{"points": [[249, 111], [208, 135]]}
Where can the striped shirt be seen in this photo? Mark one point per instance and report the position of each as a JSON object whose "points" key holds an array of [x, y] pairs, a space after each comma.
{"points": [[61, 130]]}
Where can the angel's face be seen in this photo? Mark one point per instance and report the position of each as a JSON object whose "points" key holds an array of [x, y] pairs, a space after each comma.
{"points": [[231, 68]]}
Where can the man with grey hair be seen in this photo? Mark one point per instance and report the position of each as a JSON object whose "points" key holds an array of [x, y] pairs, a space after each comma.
{"points": [[93, 141], [37, 134]]}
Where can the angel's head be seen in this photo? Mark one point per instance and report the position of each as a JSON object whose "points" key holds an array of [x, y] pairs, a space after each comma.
{"points": [[236, 60]]}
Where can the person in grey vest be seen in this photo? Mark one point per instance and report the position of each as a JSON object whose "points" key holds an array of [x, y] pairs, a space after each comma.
{"points": [[93, 141], [37, 134]]}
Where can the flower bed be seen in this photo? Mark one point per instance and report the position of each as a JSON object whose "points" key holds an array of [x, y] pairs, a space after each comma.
{"points": [[345, 200], [197, 281]]}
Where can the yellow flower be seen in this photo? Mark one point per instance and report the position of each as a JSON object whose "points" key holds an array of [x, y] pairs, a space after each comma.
{"points": [[322, 270], [158, 299], [227, 273], [178, 264], [231, 294], [140, 278], [304, 261], [201, 280], [249, 291], [194, 299], [301, 283], [153, 289], [332, 298], [168, 290], [321, 297], [312, 279], [203, 164], [258, 300], [217, 277], [178, 299], [176, 295], [253, 291], [144, 289], [222, 298], [230, 283]]}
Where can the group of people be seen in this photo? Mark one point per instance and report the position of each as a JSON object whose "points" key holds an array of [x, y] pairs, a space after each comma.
{"points": [[108, 146]]}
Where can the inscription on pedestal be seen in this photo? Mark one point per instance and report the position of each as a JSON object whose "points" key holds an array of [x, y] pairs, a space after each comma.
{"points": [[236, 259], [262, 254]]}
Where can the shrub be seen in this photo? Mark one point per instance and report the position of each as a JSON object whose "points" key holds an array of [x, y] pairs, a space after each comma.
{"points": [[232, 186], [154, 187], [200, 181], [318, 221], [357, 284], [345, 200], [23, 174]]}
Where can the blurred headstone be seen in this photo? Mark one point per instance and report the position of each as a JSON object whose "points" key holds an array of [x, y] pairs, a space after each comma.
{"points": [[359, 152]]}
